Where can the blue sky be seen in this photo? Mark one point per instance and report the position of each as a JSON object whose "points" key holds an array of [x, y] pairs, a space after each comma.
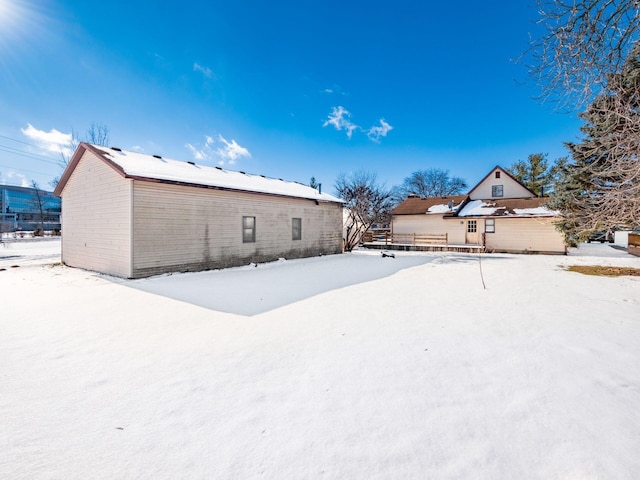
{"points": [[288, 89]]}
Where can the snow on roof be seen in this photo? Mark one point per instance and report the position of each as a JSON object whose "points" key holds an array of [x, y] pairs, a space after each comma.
{"points": [[419, 205], [477, 207], [540, 211], [142, 165], [443, 208], [513, 207]]}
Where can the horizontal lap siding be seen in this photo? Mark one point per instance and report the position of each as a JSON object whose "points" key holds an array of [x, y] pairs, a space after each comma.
{"points": [[525, 235], [96, 218], [430, 224], [179, 228]]}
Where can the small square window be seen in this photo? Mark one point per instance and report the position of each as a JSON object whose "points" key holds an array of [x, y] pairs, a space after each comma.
{"points": [[296, 229], [497, 191], [490, 225], [248, 229], [497, 174], [472, 226]]}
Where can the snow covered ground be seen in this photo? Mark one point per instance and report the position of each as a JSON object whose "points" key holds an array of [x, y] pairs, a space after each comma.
{"points": [[350, 366]]}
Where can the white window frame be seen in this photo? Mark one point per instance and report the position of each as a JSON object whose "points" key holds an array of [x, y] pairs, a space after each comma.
{"points": [[490, 225]]}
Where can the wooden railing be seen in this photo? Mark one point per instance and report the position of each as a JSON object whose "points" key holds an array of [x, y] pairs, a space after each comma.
{"points": [[389, 238], [634, 244]]}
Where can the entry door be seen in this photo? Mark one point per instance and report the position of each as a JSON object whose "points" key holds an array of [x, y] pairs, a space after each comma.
{"points": [[472, 232]]}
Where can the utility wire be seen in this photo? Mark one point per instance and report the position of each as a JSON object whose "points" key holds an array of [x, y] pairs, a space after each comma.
{"points": [[24, 170], [22, 153]]}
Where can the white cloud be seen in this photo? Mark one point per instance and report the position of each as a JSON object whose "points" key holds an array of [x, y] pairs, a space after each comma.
{"points": [[199, 154], [206, 71], [376, 132], [339, 119], [231, 150], [53, 140], [137, 148], [228, 152]]}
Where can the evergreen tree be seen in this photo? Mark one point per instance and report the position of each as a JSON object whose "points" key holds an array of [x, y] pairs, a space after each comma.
{"points": [[536, 174], [600, 187]]}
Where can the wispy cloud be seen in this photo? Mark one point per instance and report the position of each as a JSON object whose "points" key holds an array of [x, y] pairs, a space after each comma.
{"points": [[227, 152], [52, 141], [231, 150], [206, 71], [198, 154], [377, 132], [339, 119]]}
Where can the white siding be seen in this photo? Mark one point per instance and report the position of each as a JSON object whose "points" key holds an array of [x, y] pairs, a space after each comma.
{"points": [[431, 224], [179, 228], [511, 188], [96, 218], [525, 235]]}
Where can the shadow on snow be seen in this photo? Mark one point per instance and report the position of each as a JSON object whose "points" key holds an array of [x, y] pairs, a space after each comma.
{"points": [[251, 290]]}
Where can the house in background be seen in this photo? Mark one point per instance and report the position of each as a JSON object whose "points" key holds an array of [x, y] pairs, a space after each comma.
{"points": [[133, 215], [499, 214]]}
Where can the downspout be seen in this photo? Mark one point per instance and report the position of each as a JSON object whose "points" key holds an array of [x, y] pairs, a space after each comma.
{"points": [[131, 210]]}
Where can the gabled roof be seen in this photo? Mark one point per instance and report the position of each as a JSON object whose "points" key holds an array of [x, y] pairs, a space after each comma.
{"points": [[510, 207], [498, 167], [146, 167], [429, 205]]}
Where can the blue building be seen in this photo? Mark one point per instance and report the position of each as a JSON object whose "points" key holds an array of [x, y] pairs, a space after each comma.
{"points": [[23, 208]]}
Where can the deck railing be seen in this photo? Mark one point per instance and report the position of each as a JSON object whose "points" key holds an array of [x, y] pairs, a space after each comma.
{"points": [[634, 244], [389, 238]]}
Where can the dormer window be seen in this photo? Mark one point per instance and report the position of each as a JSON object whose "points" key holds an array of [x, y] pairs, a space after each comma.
{"points": [[497, 191], [498, 174]]}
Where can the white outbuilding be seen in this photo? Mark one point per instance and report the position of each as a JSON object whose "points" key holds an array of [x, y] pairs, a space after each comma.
{"points": [[134, 215]]}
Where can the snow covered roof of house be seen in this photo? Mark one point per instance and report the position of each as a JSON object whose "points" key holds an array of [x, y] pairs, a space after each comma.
{"points": [[510, 207], [430, 205], [156, 168]]}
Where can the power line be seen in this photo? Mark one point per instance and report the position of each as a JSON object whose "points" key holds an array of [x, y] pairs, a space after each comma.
{"points": [[22, 153], [24, 170], [23, 142]]}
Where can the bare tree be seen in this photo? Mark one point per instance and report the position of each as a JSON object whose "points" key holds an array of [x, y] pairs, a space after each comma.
{"points": [[600, 187], [432, 182], [38, 203], [583, 43], [97, 133], [366, 203]]}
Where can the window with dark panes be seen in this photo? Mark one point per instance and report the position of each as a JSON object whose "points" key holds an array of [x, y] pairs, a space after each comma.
{"points": [[472, 226], [497, 191]]}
